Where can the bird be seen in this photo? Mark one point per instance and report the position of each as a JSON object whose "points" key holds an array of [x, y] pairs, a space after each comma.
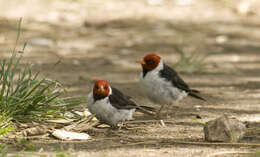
{"points": [[111, 106], [162, 84]]}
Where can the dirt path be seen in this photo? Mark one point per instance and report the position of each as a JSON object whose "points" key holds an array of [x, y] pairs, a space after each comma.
{"points": [[104, 38]]}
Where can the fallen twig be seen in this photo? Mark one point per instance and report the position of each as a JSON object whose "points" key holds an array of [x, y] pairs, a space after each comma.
{"points": [[229, 152], [80, 125], [148, 121], [174, 142]]}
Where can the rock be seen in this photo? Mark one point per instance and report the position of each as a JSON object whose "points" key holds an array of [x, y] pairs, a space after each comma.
{"points": [[221, 39], [224, 129]]}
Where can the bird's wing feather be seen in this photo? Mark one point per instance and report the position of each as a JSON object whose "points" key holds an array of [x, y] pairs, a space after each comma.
{"points": [[171, 75], [121, 101]]}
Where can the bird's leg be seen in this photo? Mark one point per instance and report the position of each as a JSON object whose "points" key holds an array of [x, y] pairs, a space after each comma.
{"points": [[158, 115], [167, 111]]}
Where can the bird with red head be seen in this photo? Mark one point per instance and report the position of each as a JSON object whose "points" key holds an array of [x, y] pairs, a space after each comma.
{"points": [[161, 83], [111, 106]]}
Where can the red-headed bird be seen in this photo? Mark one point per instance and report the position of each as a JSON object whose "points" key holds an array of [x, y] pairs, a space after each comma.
{"points": [[110, 105], [161, 83]]}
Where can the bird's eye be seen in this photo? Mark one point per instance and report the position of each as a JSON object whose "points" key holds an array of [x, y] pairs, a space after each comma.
{"points": [[149, 61]]}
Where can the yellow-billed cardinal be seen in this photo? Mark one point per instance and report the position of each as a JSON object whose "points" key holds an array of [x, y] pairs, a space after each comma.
{"points": [[161, 83], [110, 105]]}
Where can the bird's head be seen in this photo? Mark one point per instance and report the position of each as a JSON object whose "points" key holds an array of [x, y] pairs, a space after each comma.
{"points": [[101, 89], [150, 61]]}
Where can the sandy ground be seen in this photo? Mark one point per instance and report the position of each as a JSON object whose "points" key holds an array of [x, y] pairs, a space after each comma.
{"points": [[103, 39]]}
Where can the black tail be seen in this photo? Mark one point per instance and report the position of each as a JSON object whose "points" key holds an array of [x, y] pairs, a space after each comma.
{"points": [[194, 95], [194, 91], [146, 110]]}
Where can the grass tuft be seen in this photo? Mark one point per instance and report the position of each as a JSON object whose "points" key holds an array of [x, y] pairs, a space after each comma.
{"points": [[3, 150], [189, 63], [24, 96]]}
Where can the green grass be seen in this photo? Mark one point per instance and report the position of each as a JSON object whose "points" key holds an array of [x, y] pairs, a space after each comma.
{"points": [[25, 145], [200, 122], [24, 96], [64, 155], [189, 62], [3, 150]]}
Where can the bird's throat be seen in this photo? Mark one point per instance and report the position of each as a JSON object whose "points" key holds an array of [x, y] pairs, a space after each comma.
{"points": [[99, 96]]}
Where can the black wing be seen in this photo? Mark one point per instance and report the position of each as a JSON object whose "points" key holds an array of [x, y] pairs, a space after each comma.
{"points": [[121, 101], [171, 75]]}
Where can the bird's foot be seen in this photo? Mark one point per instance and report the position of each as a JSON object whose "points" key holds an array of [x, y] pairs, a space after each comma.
{"points": [[115, 127], [124, 126]]}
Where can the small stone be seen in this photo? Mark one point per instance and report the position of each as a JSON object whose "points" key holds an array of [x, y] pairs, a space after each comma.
{"points": [[43, 42], [224, 129], [197, 107], [243, 8], [221, 39]]}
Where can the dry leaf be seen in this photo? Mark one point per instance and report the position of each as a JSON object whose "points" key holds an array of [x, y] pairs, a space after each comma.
{"points": [[68, 135], [81, 125], [38, 130], [61, 121]]}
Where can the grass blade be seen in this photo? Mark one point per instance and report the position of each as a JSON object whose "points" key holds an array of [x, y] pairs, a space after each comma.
{"points": [[33, 88]]}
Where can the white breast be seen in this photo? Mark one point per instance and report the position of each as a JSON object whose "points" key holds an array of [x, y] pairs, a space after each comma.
{"points": [[106, 113], [159, 89]]}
